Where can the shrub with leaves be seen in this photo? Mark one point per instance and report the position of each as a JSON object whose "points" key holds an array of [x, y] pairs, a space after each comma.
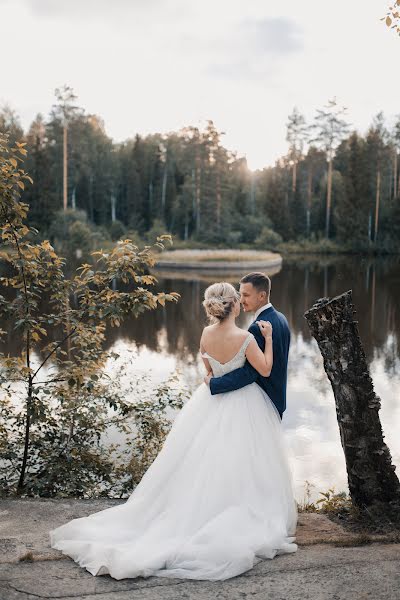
{"points": [[332, 502], [55, 399]]}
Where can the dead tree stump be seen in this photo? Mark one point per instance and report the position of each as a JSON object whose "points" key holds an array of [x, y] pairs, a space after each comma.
{"points": [[371, 474]]}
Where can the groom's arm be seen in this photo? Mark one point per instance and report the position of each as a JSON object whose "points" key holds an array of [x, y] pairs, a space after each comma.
{"points": [[239, 377]]}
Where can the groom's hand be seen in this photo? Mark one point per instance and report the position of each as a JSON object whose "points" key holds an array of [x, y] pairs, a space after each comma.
{"points": [[208, 377]]}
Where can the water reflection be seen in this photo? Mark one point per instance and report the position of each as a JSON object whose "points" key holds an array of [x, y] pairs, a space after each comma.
{"points": [[168, 338], [375, 285]]}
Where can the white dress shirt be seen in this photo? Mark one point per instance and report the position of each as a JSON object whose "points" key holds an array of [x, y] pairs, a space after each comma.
{"points": [[259, 311]]}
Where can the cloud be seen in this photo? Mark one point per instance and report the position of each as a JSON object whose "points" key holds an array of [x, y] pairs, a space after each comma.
{"points": [[255, 47], [87, 9], [274, 36]]}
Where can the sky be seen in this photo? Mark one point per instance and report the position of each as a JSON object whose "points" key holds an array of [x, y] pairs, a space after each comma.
{"points": [[149, 66]]}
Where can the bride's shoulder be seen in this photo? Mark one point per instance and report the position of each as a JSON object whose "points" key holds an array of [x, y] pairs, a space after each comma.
{"points": [[250, 337], [245, 335], [208, 329]]}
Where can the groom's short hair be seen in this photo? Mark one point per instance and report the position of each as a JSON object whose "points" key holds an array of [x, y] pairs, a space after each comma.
{"points": [[260, 281]]}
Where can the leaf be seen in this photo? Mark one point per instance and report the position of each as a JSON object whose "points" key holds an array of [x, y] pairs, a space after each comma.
{"points": [[21, 185], [388, 21], [13, 162]]}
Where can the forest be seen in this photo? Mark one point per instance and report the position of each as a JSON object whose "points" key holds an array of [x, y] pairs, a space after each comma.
{"points": [[336, 190]]}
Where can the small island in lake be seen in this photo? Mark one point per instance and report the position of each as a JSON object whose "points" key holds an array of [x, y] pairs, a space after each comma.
{"points": [[228, 259]]}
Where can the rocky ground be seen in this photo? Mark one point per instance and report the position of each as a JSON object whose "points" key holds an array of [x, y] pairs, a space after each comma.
{"points": [[331, 563]]}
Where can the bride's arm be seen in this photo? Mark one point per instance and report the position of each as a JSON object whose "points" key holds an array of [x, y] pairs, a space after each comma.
{"points": [[261, 361], [205, 361]]}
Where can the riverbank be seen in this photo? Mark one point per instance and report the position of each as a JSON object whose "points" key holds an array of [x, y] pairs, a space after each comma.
{"points": [[330, 563]]}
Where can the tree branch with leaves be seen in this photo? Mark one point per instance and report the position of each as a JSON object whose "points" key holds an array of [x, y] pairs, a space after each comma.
{"points": [[54, 419], [392, 17]]}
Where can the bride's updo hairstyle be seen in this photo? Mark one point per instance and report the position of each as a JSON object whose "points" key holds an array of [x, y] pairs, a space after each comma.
{"points": [[219, 299]]}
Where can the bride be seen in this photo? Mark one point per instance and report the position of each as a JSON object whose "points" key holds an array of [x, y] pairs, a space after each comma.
{"points": [[219, 496]]}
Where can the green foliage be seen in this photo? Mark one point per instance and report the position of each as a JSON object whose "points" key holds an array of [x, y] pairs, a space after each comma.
{"points": [[329, 501], [157, 229], [250, 228], [268, 239], [117, 230], [332, 502], [55, 400], [312, 246]]}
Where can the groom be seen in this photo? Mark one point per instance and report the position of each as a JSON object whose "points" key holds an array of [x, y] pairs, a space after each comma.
{"points": [[254, 296]]}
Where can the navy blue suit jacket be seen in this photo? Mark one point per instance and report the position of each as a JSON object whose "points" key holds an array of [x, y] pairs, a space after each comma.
{"points": [[275, 384]]}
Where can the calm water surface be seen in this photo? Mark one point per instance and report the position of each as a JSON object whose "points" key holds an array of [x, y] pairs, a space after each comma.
{"points": [[167, 340]]}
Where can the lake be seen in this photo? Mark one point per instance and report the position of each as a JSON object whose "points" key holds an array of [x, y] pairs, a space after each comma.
{"points": [[167, 340]]}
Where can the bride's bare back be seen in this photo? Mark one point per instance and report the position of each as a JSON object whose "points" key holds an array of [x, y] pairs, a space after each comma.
{"points": [[222, 343]]}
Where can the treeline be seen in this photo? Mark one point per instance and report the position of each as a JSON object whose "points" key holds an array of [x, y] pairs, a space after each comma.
{"points": [[333, 183]]}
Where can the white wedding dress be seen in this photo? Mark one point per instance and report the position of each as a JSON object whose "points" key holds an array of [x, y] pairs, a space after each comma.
{"points": [[217, 499]]}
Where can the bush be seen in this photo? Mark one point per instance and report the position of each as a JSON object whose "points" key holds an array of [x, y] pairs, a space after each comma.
{"points": [[250, 228], [117, 230], [158, 229], [306, 246], [135, 238], [80, 238], [59, 228], [268, 239], [233, 239]]}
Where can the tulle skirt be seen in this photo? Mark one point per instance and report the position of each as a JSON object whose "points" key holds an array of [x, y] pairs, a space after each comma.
{"points": [[217, 499]]}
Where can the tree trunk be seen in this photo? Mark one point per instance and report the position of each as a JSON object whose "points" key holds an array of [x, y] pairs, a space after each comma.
{"points": [[218, 200], [294, 176], [371, 475], [377, 202], [395, 174], [328, 199], [91, 198], [198, 194], [309, 197], [164, 191], [253, 194], [21, 480], [65, 168], [150, 210], [113, 208]]}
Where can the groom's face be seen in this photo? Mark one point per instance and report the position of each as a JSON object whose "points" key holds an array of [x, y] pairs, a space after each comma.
{"points": [[250, 298]]}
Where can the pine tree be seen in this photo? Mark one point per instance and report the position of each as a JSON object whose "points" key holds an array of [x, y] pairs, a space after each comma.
{"points": [[330, 128]]}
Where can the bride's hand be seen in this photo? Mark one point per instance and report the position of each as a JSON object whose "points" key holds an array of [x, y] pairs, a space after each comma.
{"points": [[265, 328]]}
